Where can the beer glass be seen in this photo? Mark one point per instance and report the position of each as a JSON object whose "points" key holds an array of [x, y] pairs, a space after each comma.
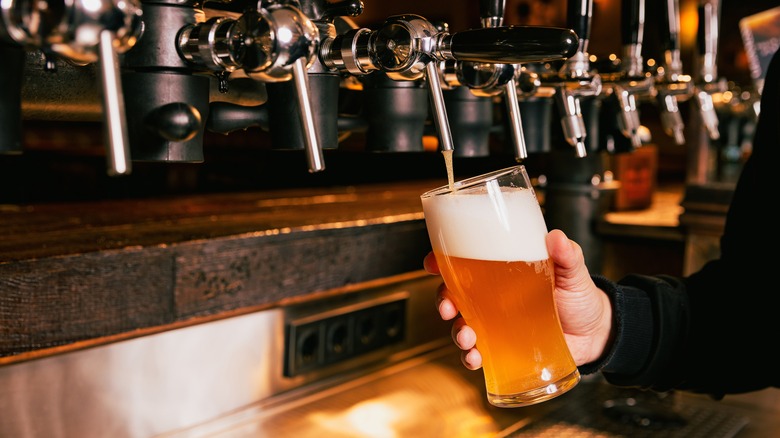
{"points": [[488, 235]]}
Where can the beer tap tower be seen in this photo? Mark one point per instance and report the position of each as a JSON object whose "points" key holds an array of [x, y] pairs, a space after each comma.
{"points": [[623, 86], [475, 84], [576, 191], [671, 84], [707, 85], [410, 48]]}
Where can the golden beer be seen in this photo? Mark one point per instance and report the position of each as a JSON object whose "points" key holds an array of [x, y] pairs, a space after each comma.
{"points": [[488, 236]]}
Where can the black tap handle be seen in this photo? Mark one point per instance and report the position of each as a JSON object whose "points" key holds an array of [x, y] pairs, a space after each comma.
{"points": [[632, 21], [670, 24], [701, 32], [491, 8], [514, 44], [709, 22], [579, 14]]}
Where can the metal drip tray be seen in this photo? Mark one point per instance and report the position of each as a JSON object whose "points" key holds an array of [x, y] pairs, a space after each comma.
{"points": [[435, 396]]}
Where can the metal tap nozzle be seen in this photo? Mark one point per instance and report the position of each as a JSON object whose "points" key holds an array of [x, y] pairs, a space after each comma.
{"points": [[671, 84], [272, 44], [707, 82], [85, 32]]}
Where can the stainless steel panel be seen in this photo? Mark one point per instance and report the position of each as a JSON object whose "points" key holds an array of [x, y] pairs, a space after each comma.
{"points": [[182, 378]]}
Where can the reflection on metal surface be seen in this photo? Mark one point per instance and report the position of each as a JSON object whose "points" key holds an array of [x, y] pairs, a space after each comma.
{"points": [[430, 396], [175, 380], [434, 396]]}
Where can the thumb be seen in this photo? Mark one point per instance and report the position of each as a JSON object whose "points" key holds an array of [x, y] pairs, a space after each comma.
{"points": [[571, 274]]}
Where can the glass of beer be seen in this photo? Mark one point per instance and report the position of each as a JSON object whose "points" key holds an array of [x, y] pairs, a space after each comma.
{"points": [[488, 235]]}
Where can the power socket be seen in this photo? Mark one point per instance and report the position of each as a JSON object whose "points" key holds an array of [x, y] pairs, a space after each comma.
{"points": [[316, 341]]}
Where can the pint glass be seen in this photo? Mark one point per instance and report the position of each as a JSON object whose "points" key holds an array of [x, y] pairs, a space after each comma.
{"points": [[488, 236]]}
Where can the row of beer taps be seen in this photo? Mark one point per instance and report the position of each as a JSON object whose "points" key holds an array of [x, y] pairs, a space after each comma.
{"points": [[155, 62]]}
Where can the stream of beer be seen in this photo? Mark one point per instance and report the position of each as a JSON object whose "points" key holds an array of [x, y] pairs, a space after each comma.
{"points": [[448, 165]]}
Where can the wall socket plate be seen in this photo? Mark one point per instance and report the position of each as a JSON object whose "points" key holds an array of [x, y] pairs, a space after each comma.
{"points": [[347, 331]]}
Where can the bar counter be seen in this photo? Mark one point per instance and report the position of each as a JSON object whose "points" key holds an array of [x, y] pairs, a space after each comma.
{"points": [[78, 274]]}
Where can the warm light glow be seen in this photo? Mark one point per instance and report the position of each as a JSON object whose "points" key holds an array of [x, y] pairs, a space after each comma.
{"points": [[371, 418], [689, 22], [612, 57]]}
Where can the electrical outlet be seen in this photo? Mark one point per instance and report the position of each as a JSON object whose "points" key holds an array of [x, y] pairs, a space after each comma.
{"points": [[339, 338], [320, 340], [306, 347]]}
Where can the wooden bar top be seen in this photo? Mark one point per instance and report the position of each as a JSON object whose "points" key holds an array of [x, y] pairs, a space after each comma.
{"points": [[74, 272]]}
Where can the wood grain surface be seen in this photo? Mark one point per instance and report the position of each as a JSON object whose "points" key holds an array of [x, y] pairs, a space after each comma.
{"points": [[76, 274]]}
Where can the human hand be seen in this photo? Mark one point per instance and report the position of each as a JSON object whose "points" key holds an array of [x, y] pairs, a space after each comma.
{"points": [[584, 309]]}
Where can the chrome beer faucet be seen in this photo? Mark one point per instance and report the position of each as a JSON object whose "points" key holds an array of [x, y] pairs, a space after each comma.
{"points": [[275, 43], [409, 47], [671, 84], [574, 80], [707, 83], [84, 32], [630, 80], [492, 15]]}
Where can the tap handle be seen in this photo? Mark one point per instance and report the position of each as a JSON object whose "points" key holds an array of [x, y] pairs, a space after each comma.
{"points": [[439, 110], [578, 18], [515, 121], [707, 38], [491, 12], [300, 78], [115, 128], [670, 25], [632, 21], [632, 32], [513, 44], [96, 32]]}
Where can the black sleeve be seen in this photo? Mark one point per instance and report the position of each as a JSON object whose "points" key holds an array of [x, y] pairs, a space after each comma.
{"points": [[651, 325], [716, 331]]}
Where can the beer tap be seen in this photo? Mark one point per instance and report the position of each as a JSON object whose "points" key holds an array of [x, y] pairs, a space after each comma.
{"points": [[630, 80], [707, 83], [492, 15], [469, 89], [84, 32], [574, 80], [409, 47], [274, 43], [671, 84], [324, 85]]}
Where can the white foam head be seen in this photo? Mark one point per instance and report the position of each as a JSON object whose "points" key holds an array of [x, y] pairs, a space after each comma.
{"points": [[505, 224]]}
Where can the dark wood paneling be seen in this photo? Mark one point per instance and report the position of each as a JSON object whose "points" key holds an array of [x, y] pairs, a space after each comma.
{"points": [[75, 272]]}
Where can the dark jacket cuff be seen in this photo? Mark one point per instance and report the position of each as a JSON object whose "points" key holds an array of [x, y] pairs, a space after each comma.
{"points": [[633, 324]]}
